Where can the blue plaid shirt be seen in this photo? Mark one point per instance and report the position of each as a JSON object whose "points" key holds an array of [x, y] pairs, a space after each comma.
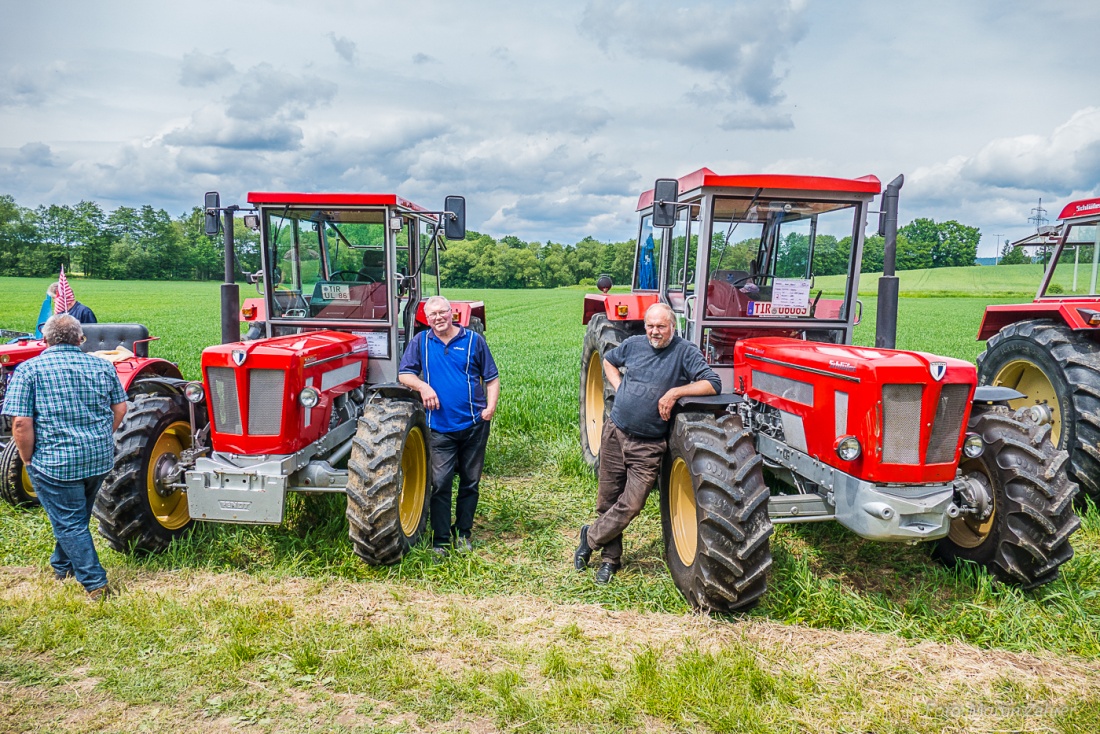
{"points": [[69, 395]]}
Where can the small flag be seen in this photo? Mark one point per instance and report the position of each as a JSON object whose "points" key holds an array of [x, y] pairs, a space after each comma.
{"points": [[64, 300]]}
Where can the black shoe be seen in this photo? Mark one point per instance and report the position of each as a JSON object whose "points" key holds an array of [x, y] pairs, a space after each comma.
{"points": [[463, 544], [583, 552], [440, 552], [605, 572]]}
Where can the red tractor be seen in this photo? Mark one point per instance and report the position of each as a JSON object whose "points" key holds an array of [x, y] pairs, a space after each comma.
{"points": [[126, 345], [894, 445], [313, 405], [1049, 349]]}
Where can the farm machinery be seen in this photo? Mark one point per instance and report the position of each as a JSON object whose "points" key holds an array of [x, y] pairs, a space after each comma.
{"points": [[894, 445], [312, 403], [1049, 349], [125, 345]]}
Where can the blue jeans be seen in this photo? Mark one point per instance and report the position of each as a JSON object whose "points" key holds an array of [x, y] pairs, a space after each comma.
{"points": [[69, 507], [463, 451]]}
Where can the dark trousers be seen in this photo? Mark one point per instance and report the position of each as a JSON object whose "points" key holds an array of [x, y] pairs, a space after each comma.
{"points": [[462, 452], [628, 471], [68, 505]]}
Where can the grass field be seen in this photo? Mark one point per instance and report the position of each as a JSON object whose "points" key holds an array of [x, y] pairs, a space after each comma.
{"points": [[283, 629]]}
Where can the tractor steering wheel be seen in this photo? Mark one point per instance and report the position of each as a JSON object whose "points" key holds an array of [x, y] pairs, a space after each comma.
{"points": [[350, 277]]}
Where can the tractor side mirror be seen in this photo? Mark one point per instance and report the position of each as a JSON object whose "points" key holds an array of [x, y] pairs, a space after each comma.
{"points": [[454, 218], [212, 206], [665, 193]]}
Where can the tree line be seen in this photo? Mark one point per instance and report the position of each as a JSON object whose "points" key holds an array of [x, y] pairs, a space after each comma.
{"points": [[149, 244]]}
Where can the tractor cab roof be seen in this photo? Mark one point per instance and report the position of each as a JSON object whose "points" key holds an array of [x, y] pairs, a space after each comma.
{"points": [[1082, 208], [285, 198], [706, 178]]}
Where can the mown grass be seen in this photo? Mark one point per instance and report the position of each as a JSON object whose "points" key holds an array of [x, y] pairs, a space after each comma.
{"points": [[537, 492]]}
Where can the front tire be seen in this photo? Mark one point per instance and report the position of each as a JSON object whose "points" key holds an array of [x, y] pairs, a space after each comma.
{"points": [[596, 395], [136, 509], [1025, 539], [389, 481], [714, 513], [1053, 366], [15, 484]]}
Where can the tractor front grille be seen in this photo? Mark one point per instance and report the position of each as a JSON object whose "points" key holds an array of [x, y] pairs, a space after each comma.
{"points": [[265, 402], [224, 400], [950, 410], [901, 421]]}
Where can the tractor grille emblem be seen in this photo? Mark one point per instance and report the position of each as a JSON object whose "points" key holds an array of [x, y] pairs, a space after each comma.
{"points": [[938, 370], [240, 354]]}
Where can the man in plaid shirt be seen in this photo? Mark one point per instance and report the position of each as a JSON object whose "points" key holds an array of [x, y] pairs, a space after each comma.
{"points": [[66, 405]]}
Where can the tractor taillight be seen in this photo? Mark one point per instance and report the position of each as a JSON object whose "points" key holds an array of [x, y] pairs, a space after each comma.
{"points": [[1092, 318], [622, 310], [249, 313]]}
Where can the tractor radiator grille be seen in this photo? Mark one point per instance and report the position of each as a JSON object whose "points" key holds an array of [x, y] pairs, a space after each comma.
{"points": [[901, 423], [265, 402], [224, 400], [783, 387], [950, 410]]}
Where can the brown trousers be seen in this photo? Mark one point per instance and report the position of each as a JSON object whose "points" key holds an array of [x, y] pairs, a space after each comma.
{"points": [[628, 471]]}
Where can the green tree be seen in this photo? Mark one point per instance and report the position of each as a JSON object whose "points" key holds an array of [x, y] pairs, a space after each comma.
{"points": [[1012, 255]]}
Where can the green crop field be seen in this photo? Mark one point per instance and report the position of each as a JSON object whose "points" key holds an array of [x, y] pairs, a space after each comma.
{"points": [[284, 629]]}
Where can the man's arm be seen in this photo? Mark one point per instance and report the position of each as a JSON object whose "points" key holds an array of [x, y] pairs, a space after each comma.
{"points": [[22, 432], [492, 395], [611, 372], [427, 395], [694, 389], [119, 409]]}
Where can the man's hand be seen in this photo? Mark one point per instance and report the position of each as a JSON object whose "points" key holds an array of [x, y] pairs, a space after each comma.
{"points": [[492, 395], [668, 402], [428, 396]]}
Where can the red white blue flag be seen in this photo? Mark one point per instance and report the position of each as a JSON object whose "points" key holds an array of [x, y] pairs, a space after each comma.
{"points": [[64, 300]]}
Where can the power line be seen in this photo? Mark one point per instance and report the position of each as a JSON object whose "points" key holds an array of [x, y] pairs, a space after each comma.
{"points": [[1038, 216]]}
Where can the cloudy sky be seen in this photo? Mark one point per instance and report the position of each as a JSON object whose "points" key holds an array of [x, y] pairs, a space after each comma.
{"points": [[551, 117]]}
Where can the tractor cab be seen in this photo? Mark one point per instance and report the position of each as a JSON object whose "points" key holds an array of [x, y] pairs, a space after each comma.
{"points": [[355, 263]]}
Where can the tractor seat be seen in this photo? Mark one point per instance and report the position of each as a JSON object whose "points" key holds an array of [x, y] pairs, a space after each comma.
{"points": [[374, 265], [107, 337]]}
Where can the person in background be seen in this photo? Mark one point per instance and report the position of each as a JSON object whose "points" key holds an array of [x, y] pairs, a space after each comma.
{"points": [[452, 369], [64, 301], [660, 368], [66, 406]]}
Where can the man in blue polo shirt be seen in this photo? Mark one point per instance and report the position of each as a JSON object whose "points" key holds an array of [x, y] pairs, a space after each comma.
{"points": [[67, 405], [452, 369]]}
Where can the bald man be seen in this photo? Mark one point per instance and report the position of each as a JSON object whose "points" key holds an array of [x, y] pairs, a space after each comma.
{"points": [[660, 368]]}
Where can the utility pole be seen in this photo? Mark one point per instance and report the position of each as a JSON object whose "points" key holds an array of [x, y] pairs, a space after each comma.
{"points": [[997, 249]]}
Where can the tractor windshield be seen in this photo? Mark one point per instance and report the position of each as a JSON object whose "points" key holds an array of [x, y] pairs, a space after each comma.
{"points": [[328, 264], [779, 258], [1078, 266]]}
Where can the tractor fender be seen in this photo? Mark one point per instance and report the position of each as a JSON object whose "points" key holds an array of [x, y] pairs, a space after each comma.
{"points": [[1068, 312], [990, 395], [713, 404], [141, 368], [462, 311], [167, 386], [618, 306]]}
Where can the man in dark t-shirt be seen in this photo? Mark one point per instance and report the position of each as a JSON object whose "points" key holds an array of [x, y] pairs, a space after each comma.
{"points": [[660, 368]]}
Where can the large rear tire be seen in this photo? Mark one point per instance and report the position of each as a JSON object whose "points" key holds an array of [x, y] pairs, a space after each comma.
{"points": [[15, 483], [389, 481], [137, 511], [596, 395], [1025, 539], [1053, 366], [714, 513]]}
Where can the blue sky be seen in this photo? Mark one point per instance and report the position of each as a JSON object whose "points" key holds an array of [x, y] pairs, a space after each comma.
{"points": [[550, 118]]}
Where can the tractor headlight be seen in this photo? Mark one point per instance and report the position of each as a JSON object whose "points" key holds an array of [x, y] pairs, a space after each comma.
{"points": [[309, 397], [973, 446], [194, 392], [848, 448]]}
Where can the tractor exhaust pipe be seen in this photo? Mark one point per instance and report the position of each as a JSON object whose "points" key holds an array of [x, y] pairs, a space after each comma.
{"points": [[231, 292], [886, 318]]}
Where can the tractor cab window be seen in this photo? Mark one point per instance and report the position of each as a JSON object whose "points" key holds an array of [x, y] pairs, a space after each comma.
{"points": [[328, 264], [648, 256], [1077, 271], [682, 256], [774, 258], [429, 254]]}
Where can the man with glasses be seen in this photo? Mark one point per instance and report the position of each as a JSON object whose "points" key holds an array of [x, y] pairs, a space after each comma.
{"points": [[452, 369], [649, 374], [66, 406]]}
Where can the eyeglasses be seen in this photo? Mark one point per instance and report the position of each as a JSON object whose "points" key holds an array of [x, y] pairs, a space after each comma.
{"points": [[83, 338], [437, 314]]}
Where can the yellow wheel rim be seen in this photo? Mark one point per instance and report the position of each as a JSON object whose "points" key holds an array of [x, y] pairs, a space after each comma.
{"points": [[969, 532], [169, 506], [414, 483], [681, 510], [28, 488], [1026, 377], [593, 403]]}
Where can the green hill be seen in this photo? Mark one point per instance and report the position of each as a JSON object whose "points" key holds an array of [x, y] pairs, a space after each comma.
{"points": [[1000, 281]]}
